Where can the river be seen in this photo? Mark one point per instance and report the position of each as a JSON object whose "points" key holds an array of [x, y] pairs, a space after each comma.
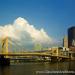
{"points": [[39, 68]]}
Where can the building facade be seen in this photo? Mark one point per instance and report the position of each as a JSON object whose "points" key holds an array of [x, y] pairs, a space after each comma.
{"points": [[71, 41], [65, 42], [71, 37]]}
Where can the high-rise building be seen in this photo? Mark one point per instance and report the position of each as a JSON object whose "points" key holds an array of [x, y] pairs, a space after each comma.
{"points": [[71, 42], [65, 42], [71, 37]]}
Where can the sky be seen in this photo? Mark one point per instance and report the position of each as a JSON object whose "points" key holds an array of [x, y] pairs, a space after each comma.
{"points": [[54, 16]]}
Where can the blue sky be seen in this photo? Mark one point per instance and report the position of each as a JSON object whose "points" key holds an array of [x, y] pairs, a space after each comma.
{"points": [[55, 16]]}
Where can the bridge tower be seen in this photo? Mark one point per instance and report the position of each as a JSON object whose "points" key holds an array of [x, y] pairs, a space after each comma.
{"points": [[5, 45], [4, 59]]}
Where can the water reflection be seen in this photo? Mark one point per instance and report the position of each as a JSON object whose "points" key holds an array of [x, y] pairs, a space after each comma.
{"points": [[5, 70], [31, 68]]}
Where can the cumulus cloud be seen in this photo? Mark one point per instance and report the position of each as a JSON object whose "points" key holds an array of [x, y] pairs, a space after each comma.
{"points": [[23, 34]]}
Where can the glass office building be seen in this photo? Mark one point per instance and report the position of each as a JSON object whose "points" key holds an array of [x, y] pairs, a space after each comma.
{"points": [[71, 37]]}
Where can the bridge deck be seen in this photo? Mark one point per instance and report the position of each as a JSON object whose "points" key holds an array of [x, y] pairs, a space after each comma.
{"points": [[31, 54]]}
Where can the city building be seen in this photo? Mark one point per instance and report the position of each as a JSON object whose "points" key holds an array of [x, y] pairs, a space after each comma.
{"points": [[71, 41], [71, 37], [65, 42]]}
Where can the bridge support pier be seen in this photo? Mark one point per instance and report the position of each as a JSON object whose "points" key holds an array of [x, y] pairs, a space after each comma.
{"points": [[4, 61]]}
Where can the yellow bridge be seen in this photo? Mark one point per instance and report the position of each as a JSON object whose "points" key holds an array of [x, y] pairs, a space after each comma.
{"points": [[5, 54], [31, 54]]}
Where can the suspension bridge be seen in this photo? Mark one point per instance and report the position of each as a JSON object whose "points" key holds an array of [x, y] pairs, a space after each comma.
{"points": [[5, 55]]}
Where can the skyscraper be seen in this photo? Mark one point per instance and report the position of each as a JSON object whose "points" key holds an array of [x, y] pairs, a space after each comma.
{"points": [[71, 41], [65, 42], [71, 37]]}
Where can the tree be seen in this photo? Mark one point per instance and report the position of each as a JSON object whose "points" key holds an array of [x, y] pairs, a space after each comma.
{"points": [[37, 46]]}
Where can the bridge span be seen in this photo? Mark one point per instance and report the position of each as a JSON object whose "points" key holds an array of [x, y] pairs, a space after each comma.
{"points": [[32, 54], [5, 55]]}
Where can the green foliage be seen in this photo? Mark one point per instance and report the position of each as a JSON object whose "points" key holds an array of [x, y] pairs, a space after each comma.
{"points": [[37, 47]]}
